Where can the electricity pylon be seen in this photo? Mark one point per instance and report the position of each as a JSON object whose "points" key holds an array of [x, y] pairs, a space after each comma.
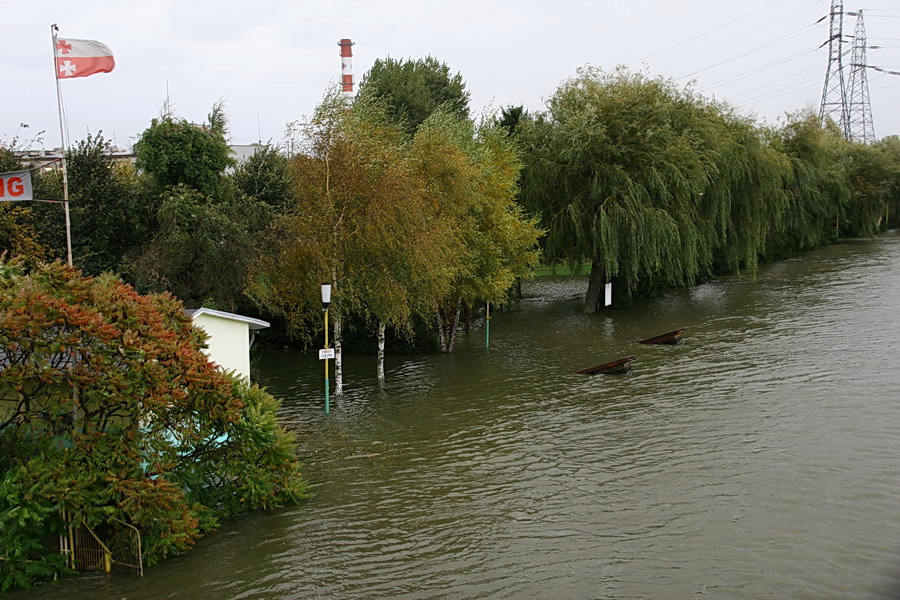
{"points": [[834, 94], [859, 110]]}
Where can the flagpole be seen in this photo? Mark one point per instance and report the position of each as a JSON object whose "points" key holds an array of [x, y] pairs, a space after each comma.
{"points": [[62, 139]]}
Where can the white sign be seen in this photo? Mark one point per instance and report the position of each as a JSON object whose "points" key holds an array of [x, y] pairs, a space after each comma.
{"points": [[326, 353], [607, 300], [15, 186]]}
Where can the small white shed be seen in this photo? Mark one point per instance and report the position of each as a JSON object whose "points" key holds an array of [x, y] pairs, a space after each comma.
{"points": [[230, 337]]}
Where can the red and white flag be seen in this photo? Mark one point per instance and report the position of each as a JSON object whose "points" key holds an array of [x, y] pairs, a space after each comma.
{"points": [[80, 58]]}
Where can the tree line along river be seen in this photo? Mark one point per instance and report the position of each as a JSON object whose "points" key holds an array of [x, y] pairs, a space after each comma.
{"points": [[758, 459]]}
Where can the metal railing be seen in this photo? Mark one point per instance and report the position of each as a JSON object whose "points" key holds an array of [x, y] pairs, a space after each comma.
{"points": [[114, 545]]}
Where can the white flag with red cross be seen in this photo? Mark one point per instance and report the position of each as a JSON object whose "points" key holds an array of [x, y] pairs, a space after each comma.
{"points": [[80, 58]]}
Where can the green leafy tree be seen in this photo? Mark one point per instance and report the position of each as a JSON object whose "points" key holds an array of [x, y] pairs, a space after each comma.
{"points": [[202, 247], [177, 152], [510, 117], [19, 236], [415, 92], [19, 228], [34, 230], [206, 228], [25, 526], [8, 159], [744, 196], [109, 409], [359, 221], [266, 177], [48, 218], [412, 90], [471, 175], [111, 209]]}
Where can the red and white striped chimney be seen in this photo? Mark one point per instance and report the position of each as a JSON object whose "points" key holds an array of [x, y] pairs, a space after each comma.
{"points": [[346, 65]]}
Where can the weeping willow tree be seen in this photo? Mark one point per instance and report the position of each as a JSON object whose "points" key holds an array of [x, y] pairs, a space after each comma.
{"points": [[890, 146], [871, 171], [744, 198], [816, 189], [649, 183]]}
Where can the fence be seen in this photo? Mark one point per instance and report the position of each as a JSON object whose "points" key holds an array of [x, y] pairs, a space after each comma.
{"points": [[114, 545]]}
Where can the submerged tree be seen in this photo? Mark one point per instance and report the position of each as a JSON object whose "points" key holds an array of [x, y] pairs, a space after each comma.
{"points": [[647, 182], [871, 173], [397, 228], [815, 185], [891, 147], [471, 177], [469, 172], [358, 222]]}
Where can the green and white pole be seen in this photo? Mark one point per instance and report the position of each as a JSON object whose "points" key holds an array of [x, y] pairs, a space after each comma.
{"points": [[487, 324], [326, 301]]}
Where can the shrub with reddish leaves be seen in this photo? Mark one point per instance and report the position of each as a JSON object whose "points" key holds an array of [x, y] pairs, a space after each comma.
{"points": [[109, 409]]}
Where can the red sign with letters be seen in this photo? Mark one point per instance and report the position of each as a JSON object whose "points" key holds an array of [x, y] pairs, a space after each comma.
{"points": [[15, 186]]}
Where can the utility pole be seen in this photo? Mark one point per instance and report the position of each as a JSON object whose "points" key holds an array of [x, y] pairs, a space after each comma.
{"points": [[859, 108], [834, 94]]}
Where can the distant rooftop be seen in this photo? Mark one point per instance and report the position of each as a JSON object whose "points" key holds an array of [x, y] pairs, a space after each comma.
{"points": [[241, 152]]}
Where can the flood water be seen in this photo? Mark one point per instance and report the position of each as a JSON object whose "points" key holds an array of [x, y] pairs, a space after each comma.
{"points": [[758, 459]]}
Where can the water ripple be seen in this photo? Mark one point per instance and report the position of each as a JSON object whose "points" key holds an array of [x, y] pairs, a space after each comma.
{"points": [[758, 459]]}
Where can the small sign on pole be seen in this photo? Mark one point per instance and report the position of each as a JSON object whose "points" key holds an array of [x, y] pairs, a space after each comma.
{"points": [[15, 186], [607, 300], [326, 353]]}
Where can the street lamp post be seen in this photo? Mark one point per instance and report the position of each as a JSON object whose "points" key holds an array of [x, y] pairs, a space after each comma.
{"points": [[326, 301]]}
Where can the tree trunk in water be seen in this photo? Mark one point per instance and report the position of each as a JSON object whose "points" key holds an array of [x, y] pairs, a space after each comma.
{"points": [[380, 368], [440, 327], [595, 287], [454, 327], [448, 323], [338, 360]]}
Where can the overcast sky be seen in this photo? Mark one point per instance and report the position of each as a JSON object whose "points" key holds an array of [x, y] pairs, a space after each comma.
{"points": [[271, 60]]}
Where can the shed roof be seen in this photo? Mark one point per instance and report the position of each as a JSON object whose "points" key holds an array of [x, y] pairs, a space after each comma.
{"points": [[254, 324]]}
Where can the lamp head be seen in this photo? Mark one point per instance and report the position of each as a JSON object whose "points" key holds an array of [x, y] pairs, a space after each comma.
{"points": [[326, 295]]}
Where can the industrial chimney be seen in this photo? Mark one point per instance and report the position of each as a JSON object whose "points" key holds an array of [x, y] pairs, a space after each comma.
{"points": [[346, 65]]}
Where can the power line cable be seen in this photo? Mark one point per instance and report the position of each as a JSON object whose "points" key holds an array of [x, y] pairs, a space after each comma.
{"points": [[752, 31], [775, 82], [807, 83], [880, 70], [705, 33], [728, 60], [761, 68]]}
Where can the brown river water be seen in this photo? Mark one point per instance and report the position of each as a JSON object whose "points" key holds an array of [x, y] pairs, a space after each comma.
{"points": [[758, 459]]}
